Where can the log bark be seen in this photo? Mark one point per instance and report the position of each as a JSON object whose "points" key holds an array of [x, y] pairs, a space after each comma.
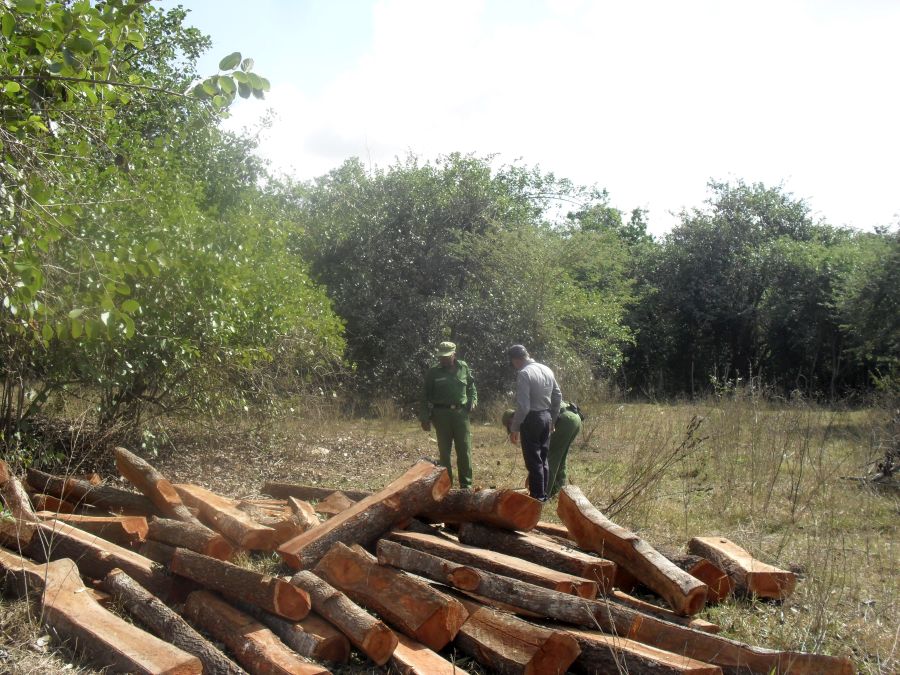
{"points": [[411, 606], [75, 617], [718, 583], [222, 515], [14, 495], [151, 612], [730, 655], [416, 490], [126, 531], [113, 499], [268, 593], [750, 576], [414, 658], [371, 636], [594, 531], [193, 536], [157, 552], [312, 636], [506, 509], [603, 653], [542, 551], [309, 492], [154, 485], [254, 646], [661, 612], [507, 644], [498, 563]]}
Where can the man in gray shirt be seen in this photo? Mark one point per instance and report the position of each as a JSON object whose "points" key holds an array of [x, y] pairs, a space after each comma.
{"points": [[538, 399]]}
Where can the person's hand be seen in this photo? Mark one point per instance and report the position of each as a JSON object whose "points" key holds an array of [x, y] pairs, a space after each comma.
{"points": [[426, 426], [472, 405], [514, 437]]}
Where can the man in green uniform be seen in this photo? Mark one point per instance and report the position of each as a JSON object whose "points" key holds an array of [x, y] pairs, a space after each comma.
{"points": [[449, 396], [568, 426]]}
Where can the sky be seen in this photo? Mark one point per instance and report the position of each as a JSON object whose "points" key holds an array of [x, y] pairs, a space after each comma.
{"points": [[649, 99]]}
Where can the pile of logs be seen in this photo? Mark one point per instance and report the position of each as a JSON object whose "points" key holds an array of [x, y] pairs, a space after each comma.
{"points": [[406, 577]]}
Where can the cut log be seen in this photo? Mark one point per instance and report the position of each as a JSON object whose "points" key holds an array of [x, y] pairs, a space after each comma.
{"points": [[750, 576], [153, 484], [126, 531], [661, 612], [505, 509], [416, 490], [14, 495], [610, 617], [312, 636], [74, 616], [193, 536], [222, 515], [553, 529], [269, 593], [5, 472], [254, 646], [113, 499], [499, 563], [718, 583], [543, 551], [304, 513], [334, 504], [309, 492], [414, 658], [602, 653], [371, 636], [411, 606], [42, 502], [284, 524], [594, 531], [157, 552], [151, 612], [507, 644]]}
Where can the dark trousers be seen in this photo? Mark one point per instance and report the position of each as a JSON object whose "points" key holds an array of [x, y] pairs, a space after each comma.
{"points": [[535, 435]]}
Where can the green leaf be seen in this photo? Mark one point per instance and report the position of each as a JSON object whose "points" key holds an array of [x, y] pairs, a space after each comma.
{"points": [[154, 245], [244, 90], [47, 332], [27, 6], [7, 25], [77, 328], [231, 61], [75, 313], [128, 322], [200, 92], [265, 85], [227, 85], [11, 87], [247, 65], [81, 44], [210, 87], [219, 101], [131, 306], [55, 67], [241, 77]]}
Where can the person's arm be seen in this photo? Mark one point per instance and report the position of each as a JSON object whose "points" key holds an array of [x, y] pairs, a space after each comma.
{"points": [[523, 401], [555, 401], [471, 392]]}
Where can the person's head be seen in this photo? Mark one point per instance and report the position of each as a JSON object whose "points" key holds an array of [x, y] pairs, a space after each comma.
{"points": [[517, 355], [446, 353], [507, 417]]}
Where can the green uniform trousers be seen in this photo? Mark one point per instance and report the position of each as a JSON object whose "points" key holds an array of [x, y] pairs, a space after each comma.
{"points": [[568, 424], [452, 428]]}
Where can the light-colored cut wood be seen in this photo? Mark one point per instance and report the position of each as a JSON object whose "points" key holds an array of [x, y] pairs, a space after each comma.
{"points": [[750, 576]]}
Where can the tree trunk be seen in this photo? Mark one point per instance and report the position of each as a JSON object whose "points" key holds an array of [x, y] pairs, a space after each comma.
{"points": [[413, 607], [718, 583], [268, 593], [750, 576], [413, 658], [593, 531], [505, 509], [113, 499], [308, 492], [74, 616], [498, 563], [193, 536], [151, 612], [415, 491], [254, 646], [372, 637], [154, 485], [125, 531], [222, 515], [14, 495], [312, 636], [661, 612]]}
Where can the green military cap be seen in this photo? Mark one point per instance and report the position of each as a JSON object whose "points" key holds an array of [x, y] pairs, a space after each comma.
{"points": [[446, 349]]}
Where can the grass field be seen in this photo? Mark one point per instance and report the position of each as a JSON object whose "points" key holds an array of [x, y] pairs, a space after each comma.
{"points": [[773, 478]]}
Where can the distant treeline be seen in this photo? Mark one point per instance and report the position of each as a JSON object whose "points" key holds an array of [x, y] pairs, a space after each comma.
{"points": [[149, 261]]}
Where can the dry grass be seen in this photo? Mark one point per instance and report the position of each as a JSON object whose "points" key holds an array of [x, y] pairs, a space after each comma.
{"points": [[768, 477]]}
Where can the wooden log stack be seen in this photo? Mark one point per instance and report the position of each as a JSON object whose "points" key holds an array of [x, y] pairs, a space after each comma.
{"points": [[496, 585]]}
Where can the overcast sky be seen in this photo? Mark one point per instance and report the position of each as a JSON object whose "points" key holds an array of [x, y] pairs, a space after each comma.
{"points": [[649, 99]]}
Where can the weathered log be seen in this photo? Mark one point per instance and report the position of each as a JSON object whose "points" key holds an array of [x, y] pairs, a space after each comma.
{"points": [[269, 593], [222, 515], [42, 502], [719, 584], [75, 490], [126, 531], [541, 550], [603, 653], [75, 617], [193, 536], [506, 509], [254, 646], [553, 529], [334, 504], [309, 492], [507, 644], [5, 472], [157, 552], [414, 658], [594, 531], [153, 484], [304, 512], [730, 655], [411, 606], [14, 495], [284, 524], [750, 576], [371, 636], [661, 612], [312, 636], [416, 490], [499, 563], [151, 612]]}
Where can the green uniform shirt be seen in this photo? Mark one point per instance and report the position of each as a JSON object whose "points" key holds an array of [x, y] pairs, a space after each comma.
{"points": [[448, 389]]}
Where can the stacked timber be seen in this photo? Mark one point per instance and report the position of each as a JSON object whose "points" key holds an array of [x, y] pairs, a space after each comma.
{"points": [[412, 577]]}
